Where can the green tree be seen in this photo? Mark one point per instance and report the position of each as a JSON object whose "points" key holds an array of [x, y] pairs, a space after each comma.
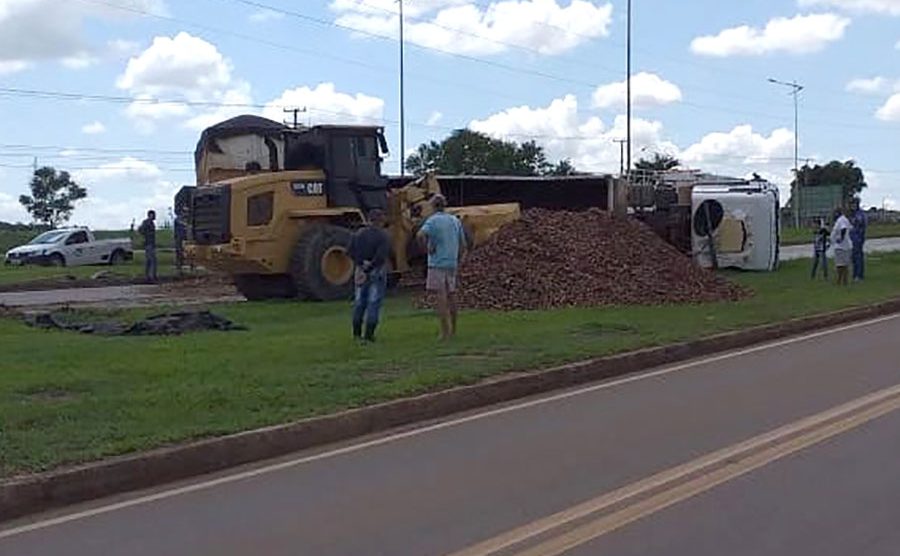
{"points": [[660, 162], [846, 174], [562, 168], [53, 196], [473, 153]]}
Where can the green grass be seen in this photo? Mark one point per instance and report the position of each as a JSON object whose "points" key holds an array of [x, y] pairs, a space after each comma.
{"points": [[800, 236], [23, 274], [66, 398]]}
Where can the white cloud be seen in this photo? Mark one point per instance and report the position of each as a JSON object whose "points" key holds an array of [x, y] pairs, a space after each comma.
{"points": [[324, 104], [798, 35], [891, 7], [591, 145], [435, 118], [188, 68], [469, 28], [890, 111], [588, 143], [182, 63], [79, 61], [647, 89], [93, 128], [144, 186], [234, 102], [133, 170], [869, 85], [13, 66], [11, 210], [39, 30], [741, 145], [883, 190], [265, 16]]}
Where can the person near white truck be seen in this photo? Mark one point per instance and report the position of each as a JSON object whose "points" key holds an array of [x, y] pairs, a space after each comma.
{"points": [[71, 247]]}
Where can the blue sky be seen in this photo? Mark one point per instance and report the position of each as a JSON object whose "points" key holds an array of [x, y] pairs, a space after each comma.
{"points": [[79, 81]]}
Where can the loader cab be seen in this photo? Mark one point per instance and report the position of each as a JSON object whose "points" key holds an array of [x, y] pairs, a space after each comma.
{"points": [[349, 156]]}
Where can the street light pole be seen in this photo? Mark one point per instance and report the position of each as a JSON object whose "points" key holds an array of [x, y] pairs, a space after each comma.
{"points": [[628, 87], [795, 91], [402, 106], [621, 143]]}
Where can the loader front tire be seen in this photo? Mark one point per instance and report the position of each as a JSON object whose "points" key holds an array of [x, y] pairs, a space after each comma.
{"points": [[320, 266]]}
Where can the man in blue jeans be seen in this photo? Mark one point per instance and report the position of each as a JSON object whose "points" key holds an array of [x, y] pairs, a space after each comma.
{"points": [[369, 249], [859, 221]]}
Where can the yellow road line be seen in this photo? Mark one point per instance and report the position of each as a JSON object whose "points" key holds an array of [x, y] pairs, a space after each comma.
{"points": [[644, 486], [625, 516]]}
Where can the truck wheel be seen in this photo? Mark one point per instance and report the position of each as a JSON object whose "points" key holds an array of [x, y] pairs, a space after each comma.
{"points": [[260, 287], [321, 268], [57, 260], [117, 258]]}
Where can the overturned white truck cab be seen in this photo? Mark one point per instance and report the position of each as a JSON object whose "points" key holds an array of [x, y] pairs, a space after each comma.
{"points": [[735, 224]]}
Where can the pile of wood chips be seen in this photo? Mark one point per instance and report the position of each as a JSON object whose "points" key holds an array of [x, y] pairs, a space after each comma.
{"points": [[553, 259]]}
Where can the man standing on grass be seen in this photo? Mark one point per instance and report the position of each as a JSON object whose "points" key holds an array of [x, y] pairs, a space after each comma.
{"points": [[444, 238], [843, 246], [858, 236], [369, 249], [147, 230]]}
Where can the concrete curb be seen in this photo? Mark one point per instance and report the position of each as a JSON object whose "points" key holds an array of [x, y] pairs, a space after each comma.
{"points": [[34, 493]]}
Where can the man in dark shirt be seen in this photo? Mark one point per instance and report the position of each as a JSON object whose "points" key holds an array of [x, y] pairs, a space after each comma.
{"points": [[147, 230], [369, 249]]}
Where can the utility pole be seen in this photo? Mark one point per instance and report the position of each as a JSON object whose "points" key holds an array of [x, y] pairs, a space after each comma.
{"points": [[402, 106], [628, 84], [621, 143], [795, 91], [296, 112]]}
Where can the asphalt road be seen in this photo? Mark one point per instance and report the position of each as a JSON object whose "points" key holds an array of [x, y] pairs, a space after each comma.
{"points": [[872, 246], [784, 449]]}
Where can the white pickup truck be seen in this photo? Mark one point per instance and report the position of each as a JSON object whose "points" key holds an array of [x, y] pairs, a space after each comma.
{"points": [[71, 247]]}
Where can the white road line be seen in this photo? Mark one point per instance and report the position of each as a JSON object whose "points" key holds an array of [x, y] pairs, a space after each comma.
{"points": [[204, 485]]}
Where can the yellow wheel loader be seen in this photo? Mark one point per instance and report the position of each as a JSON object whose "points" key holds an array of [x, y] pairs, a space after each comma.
{"points": [[275, 207]]}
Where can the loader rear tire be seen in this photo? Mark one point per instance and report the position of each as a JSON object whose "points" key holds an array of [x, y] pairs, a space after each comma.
{"points": [[261, 287], [320, 266]]}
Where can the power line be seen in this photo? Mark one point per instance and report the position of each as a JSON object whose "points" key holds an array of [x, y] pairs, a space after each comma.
{"points": [[319, 54], [108, 168], [118, 99], [491, 63], [592, 65], [433, 23], [88, 149]]}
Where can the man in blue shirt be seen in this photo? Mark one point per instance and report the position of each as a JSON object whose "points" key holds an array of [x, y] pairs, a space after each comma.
{"points": [[858, 236], [444, 237]]}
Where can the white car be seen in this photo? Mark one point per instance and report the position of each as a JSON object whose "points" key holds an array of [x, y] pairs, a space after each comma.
{"points": [[71, 247]]}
